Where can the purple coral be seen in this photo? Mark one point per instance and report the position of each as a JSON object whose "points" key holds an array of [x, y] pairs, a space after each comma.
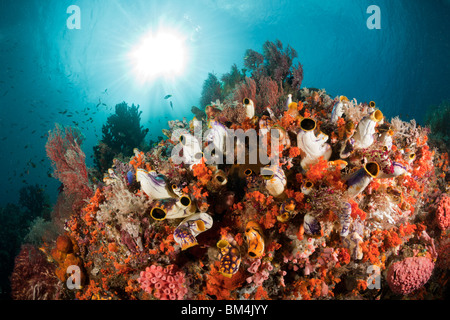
{"points": [[268, 93], [278, 62]]}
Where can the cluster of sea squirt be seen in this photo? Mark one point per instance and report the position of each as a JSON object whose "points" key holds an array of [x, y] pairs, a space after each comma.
{"points": [[350, 196]]}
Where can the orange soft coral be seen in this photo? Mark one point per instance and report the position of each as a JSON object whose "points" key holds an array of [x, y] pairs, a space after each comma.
{"points": [[287, 120], [138, 161], [344, 256], [341, 128], [220, 287], [356, 211], [257, 196], [311, 288], [269, 219], [317, 171], [202, 173], [294, 152]]}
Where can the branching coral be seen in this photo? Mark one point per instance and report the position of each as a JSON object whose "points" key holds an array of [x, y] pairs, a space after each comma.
{"points": [[64, 149], [33, 277]]}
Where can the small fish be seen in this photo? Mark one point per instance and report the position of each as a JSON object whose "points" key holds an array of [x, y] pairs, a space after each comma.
{"points": [[171, 105], [168, 96]]}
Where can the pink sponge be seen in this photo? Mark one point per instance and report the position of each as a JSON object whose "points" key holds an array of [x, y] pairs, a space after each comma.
{"points": [[163, 283], [443, 212], [409, 274]]}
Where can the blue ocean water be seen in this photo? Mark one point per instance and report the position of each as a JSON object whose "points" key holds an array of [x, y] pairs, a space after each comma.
{"points": [[47, 68]]}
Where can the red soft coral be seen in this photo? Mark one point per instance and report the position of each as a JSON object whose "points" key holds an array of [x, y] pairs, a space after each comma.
{"points": [[63, 148]]}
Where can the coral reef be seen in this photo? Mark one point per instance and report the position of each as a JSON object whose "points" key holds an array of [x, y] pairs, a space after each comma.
{"points": [[34, 277], [349, 204], [266, 78], [121, 133]]}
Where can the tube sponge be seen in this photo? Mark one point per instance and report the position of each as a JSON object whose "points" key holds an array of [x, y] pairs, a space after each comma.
{"points": [[409, 274]]}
